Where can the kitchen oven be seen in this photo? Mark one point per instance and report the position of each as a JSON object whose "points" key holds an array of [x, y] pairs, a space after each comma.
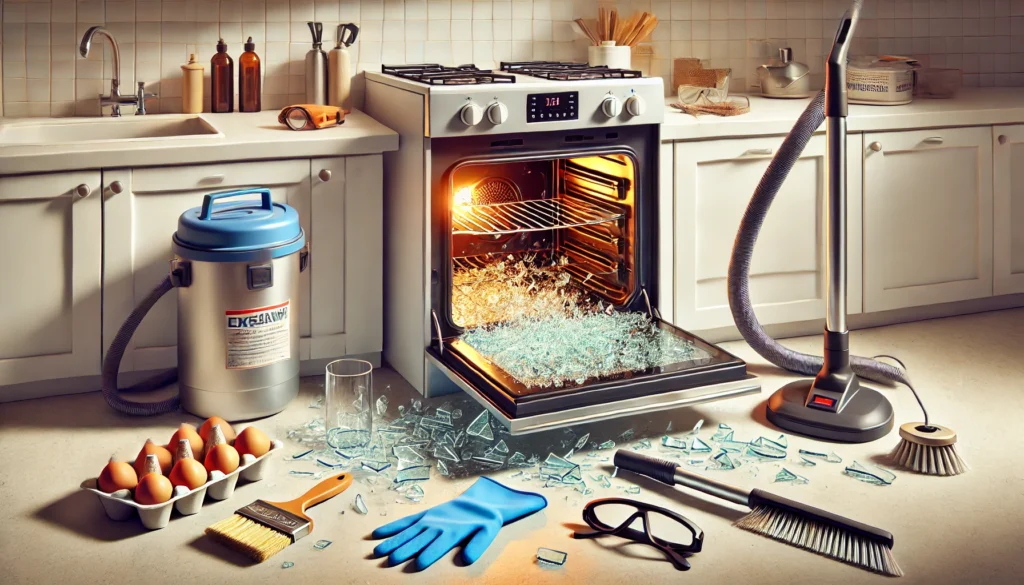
{"points": [[521, 245]]}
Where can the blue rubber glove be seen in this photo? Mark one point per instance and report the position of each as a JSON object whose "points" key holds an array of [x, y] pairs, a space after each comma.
{"points": [[477, 515]]}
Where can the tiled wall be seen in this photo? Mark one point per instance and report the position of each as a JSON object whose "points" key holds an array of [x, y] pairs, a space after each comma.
{"points": [[43, 75]]}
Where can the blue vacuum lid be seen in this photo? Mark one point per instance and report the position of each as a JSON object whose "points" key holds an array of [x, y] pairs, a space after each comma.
{"points": [[240, 231]]}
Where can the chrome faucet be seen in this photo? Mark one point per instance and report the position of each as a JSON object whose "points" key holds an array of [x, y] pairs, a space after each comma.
{"points": [[115, 99]]}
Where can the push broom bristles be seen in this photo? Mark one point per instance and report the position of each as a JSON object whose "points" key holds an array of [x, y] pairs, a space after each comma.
{"points": [[822, 538], [929, 449], [252, 539]]}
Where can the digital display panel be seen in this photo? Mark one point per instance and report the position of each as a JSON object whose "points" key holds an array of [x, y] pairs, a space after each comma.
{"points": [[552, 107]]}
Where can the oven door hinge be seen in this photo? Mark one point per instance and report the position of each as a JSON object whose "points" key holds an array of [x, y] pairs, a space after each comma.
{"points": [[651, 311], [437, 332]]}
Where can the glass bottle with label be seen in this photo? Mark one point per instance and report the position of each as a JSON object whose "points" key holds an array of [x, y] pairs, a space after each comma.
{"points": [[249, 87]]}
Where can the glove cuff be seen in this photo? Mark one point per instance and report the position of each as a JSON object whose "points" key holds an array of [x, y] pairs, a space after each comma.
{"points": [[509, 503]]}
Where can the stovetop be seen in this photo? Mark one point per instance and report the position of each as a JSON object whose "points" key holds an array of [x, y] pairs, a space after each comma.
{"points": [[434, 74], [565, 71]]}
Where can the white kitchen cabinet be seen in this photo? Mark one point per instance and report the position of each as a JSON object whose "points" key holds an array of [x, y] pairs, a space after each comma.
{"points": [[927, 217], [50, 229], [139, 221], [713, 184], [1008, 200]]}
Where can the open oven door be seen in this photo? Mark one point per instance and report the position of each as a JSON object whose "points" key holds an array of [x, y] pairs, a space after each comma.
{"points": [[711, 375]]}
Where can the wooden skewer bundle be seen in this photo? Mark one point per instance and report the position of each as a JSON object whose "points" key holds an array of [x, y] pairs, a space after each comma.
{"points": [[610, 27]]}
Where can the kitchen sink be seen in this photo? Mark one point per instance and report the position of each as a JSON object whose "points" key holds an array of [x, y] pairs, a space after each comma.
{"points": [[98, 130]]}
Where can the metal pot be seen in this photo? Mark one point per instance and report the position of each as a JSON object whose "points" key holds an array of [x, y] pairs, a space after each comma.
{"points": [[238, 314], [788, 79]]}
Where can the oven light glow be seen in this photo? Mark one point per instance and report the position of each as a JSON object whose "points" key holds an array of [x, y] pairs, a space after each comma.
{"points": [[464, 196]]}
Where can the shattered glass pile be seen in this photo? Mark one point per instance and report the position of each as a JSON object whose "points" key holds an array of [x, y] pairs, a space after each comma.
{"points": [[545, 330]]}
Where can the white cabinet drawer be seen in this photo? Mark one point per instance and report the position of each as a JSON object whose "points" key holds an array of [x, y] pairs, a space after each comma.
{"points": [[1008, 193]]}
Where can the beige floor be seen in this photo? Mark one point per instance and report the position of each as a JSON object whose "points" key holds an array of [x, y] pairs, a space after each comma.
{"points": [[970, 371]]}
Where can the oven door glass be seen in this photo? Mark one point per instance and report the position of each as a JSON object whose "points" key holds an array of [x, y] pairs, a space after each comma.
{"points": [[682, 370]]}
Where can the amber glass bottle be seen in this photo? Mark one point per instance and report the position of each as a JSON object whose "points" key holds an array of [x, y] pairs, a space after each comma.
{"points": [[249, 90], [222, 81]]}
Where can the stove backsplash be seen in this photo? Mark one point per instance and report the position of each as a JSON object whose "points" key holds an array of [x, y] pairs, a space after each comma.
{"points": [[43, 75]]}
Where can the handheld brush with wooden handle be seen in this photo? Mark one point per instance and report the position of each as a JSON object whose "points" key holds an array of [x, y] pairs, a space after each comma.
{"points": [[263, 529], [782, 519]]}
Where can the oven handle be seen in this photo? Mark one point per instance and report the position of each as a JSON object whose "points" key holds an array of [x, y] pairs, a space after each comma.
{"points": [[437, 331]]}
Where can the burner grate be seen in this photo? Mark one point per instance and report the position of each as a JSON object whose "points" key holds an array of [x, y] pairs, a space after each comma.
{"points": [[567, 71], [435, 74], [528, 216]]}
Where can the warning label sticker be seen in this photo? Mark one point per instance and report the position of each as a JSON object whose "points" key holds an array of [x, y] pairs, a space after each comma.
{"points": [[257, 337]]}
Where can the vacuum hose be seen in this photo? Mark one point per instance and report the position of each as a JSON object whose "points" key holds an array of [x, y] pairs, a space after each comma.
{"points": [[112, 363], [743, 250]]}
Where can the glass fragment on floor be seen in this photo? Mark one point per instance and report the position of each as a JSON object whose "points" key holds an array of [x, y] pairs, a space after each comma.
{"points": [[721, 432], [781, 442], [517, 474], [418, 473], [517, 460], [643, 444], [317, 403], [347, 438], [723, 461], [615, 472], [442, 467], [407, 453], [552, 557], [329, 464], [302, 455], [582, 442], [872, 475], [457, 413], [353, 453], [668, 429], [699, 446], [382, 405], [359, 505], [606, 445], [807, 462], [696, 428], [287, 565], [829, 457], [674, 443], [481, 427], [445, 452], [633, 490], [733, 446], [758, 448], [415, 493], [490, 460], [696, 462], [375, 466], [500, 448], [295, 473], [556, 461], [787, 476], [321, 544], [444, 416]]}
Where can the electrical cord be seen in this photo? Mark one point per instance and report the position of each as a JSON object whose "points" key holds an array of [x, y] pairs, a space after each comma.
{"points": [[908, 385]]}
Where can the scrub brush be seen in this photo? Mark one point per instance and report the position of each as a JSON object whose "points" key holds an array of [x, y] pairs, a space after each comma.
{"points": [[263, 529], [924, 447], [782, 519]]}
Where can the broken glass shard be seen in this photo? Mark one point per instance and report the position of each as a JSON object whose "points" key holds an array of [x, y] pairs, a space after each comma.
{"points": [[696, 427], [481, 427], [376, 466], [407, 453], [582, 442], [359, 505], [435, 424], [347, 438], [582, 488], [727, 437], [668, 429], [551, 556], [872, 475], [574, 474], [830, 457], [443, 416], [415, 493], [302, 455], [501, 448], [732, 446], [490, 460], [606, 445], [447, 439], [633, 490], [287, 565], [442, 467], [321, 544], [556, 461], [401, 410], [417, 405], [695, 462], [555, 472], [354, 453], [570, 454], [615, 472], [517, 459], [643, 444], [780, 442], [723, 430], [460, 439], [418, 473], [787, 476], [318, 403], [758, 448], [382, 406], [445, 452], [723, 461], [301, 473], [628, 435], [699, 446], [807, 462], [457, 413], [674, 443], [329, 464], [421, 432]]}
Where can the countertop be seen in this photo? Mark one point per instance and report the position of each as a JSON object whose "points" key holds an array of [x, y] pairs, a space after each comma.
{"points": [[971, 107], [962, 529], [244, 137]]}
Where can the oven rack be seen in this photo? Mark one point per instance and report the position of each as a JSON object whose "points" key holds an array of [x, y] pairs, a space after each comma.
{"points": [[528, 216]]}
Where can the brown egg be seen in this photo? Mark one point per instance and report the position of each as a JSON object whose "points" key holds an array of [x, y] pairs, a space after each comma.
{"points": [[204, 431], [187, 431], [117, 475], [162, 455], [223, 458], [189, 473], [252, 440], [153, 489]]}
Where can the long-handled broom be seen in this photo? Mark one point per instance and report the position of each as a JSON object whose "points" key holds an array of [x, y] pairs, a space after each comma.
{"points": [[782, 519]]}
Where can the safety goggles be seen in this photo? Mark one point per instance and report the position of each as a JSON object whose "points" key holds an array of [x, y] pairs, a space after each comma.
{"points": [[671, 533], [311, 117]]}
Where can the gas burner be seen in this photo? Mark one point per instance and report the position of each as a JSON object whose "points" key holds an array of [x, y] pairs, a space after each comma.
{"points": [[567, 71], [440, 75]]}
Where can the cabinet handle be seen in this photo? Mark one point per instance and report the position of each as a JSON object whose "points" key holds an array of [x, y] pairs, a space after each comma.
{"points": [[325, 175], [83, 190], [116, 187], [875, 146], [933, 140], [1002, 139], [213, 179], [758, 151]]}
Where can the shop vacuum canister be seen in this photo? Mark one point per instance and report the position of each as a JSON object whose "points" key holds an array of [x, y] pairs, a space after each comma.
{"points": [[236, 267]]}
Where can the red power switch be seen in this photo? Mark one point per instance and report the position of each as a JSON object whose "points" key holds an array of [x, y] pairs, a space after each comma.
{"points": [[823, 401]]}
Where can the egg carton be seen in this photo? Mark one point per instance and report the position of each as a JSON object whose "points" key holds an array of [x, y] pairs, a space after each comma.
{"points": [[120, 506]]}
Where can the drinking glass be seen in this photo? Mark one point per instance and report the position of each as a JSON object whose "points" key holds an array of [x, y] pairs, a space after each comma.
{"points": [[349, 399]]}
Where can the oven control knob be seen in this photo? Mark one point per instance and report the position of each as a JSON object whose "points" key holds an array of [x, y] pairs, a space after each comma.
{"points": [[611, 106], [636, 106], [497, 113], [471, 114]]}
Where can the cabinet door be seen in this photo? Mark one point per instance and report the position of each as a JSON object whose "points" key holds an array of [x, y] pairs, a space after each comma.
{"points": [[139, 221], [714, 182], [347, 256], [1008, 179], [50, 234], [927, 217]]}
